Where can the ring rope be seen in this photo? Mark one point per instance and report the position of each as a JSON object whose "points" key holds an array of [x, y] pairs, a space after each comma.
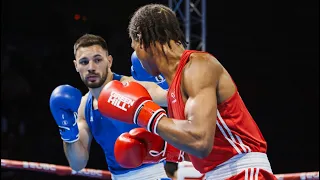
{"points": [[101, 174]]}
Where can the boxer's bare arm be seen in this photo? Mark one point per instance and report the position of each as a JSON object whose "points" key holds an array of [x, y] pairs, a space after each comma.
{"points": [[77, 153], [195, 135], [157, 94]]}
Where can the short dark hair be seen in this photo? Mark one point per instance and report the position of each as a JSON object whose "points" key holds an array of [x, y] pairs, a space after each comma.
{"points": [[155, 22], [89, 40]]}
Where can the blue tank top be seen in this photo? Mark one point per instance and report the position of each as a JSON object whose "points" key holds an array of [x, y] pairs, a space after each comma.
{"points": [[105, 131]]}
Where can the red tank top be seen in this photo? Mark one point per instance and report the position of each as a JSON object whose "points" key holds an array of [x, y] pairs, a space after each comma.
{"points": [[236, 131]]}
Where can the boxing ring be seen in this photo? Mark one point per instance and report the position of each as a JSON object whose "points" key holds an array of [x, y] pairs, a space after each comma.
{"points": [[101, 174]]}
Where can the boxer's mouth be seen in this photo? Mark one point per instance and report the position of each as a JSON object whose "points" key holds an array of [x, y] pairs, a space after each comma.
{"points": [[92, 77]]}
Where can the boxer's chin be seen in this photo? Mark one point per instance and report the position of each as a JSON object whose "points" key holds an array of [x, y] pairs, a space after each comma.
{"points": [[97, 83], [94, 84]]}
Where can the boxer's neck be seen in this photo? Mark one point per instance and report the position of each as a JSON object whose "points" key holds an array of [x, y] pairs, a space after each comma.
{"points": [[96, 91], [168, 63]]}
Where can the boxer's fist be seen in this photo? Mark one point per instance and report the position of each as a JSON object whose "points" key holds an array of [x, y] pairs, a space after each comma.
{"points": [[142, 147], [137, 71], [137, 147], [140, 74], [130, 103], [64, 103]]}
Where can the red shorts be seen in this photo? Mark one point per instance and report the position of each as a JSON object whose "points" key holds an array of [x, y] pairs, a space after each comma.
{"points": [[253, 174]]}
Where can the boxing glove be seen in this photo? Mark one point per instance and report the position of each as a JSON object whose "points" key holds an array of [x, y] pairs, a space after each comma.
{"points": [[64, 103], [140, 74], [139, 146], [130, 103]]}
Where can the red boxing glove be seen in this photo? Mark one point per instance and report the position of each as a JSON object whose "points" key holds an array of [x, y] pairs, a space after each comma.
{"points": [[139, 147], [130, 103]]}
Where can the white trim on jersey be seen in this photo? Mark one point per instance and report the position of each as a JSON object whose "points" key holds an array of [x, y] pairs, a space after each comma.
{"points": [[251, 173], [243, 146], [246, 174], [249, 163], [232, 141], [254, 173], [257, 174], [153, 172]]}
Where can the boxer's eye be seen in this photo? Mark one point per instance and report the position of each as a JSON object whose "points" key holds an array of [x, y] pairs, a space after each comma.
{"points": [[83, 62], [97, 60]]}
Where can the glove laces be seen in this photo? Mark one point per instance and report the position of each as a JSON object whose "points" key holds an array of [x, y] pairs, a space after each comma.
{"points": [[154, 153]]}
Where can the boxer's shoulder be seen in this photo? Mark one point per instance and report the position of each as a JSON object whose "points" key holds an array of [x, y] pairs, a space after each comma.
{"points": [[201, 64], [84, 98], [201, 55], [203, 59], [201, 71]]}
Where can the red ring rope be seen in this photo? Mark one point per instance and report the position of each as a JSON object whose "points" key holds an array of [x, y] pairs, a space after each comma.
{"points": [[100, 174], [54, 169]]}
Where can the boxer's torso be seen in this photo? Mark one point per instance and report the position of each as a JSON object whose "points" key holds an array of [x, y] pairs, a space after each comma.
{"points": [[236, 131], [105, 131]]}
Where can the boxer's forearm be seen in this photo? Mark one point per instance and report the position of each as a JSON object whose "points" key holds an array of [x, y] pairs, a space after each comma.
{"points": [[76, 154], [157, 94], [184, 136]]}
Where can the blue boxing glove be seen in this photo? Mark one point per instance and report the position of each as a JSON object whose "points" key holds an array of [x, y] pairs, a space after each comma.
{"points": [[64, 103], [140, 74]]}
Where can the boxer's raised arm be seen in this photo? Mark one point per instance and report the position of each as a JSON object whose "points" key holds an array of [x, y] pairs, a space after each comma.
{"points": [[77, 153], [195, 135], [157, 94]]}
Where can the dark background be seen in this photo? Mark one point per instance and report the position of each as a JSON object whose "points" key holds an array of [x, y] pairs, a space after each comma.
{"points": [[269, 47]]}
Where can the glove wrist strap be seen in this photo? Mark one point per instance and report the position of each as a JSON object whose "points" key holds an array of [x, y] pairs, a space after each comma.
{"points": [[69, 134], [155, 121], [155, 113], [70, 140]]}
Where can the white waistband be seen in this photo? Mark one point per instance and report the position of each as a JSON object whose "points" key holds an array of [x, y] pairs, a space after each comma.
{"points": [[239, 163], [153, 172]]}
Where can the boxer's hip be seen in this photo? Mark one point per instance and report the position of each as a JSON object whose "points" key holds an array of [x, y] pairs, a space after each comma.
{"points": [[155, 171], [238, 164]]}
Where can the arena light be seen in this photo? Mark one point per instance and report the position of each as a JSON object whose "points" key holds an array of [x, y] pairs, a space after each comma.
{"points": [[77, 17]]}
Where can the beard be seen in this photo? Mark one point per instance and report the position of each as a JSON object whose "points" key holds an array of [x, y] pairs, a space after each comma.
{"points": [[98, 83]]}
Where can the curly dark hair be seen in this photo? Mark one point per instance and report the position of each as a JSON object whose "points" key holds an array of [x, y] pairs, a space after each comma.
{"points": [[155, 22]]}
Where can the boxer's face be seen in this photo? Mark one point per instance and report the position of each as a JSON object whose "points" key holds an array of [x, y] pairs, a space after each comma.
{"points": [[93, 64], [146, 58]]}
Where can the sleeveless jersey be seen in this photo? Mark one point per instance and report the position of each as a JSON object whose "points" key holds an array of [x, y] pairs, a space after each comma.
{"points": [[236, 131], [105, 131]]}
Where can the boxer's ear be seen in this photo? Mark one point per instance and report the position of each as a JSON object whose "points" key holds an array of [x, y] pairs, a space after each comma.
{"points": [[75, 65], [110, 60]]}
